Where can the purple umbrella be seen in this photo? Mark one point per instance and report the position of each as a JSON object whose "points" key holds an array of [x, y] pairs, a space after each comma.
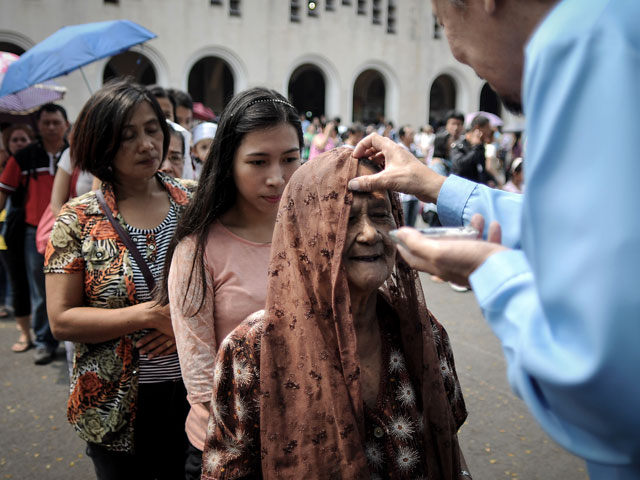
{"points": [[28, 100]]}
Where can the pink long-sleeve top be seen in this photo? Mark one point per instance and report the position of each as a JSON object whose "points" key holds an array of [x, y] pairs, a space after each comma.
{"points": [[236, 286]]}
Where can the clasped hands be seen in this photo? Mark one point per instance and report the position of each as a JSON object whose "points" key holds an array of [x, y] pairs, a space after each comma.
{"points": [[160, 340], [451, 260]]}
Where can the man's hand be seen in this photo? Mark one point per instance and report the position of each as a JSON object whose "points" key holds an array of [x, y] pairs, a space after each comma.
{"points": [[451, 260], [402, 171], [475, 137]]}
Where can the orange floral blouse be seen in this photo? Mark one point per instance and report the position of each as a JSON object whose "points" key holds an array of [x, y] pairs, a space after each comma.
{"points": [[104, 383]]}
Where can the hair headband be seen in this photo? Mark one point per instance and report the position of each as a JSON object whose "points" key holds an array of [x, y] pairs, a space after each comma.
{"points": [[272, 100]]}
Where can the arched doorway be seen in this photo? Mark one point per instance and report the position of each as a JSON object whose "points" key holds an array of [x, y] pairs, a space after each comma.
{"points": [[369, 95], [489, 100], [307, 90], [442, 98], [211, 83], [11, 48], [130, 64]]}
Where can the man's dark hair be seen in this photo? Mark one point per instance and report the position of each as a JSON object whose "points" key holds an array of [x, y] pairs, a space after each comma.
{"points": [[403, 130], [161, 92], [479, 121], [355, 128], [181, 99], [455, 114], [97, 133], [51, 108]]}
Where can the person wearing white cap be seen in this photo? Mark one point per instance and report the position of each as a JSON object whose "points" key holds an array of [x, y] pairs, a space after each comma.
{"points": [[516, 177], [202, 138]]}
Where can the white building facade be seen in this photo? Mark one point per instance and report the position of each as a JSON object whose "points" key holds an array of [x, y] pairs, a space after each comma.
{"points": [[361, 60]]}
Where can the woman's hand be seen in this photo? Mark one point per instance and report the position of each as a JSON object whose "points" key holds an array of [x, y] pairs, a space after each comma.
{"points": [[402, 171], [158, 317], [156, 344]]}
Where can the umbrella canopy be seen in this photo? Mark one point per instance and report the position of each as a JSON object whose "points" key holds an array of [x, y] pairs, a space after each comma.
{"points": [[28, 100], [71, 48], [494, 120]]}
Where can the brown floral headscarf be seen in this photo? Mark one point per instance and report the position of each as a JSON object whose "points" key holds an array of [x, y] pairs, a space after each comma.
{"points": [[311, 420]]}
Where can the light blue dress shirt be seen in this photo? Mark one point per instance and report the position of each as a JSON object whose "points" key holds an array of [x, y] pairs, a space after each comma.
{"points": [[565, 302]]}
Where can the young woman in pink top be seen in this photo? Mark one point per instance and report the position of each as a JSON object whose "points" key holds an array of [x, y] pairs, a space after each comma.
{"points": [[217, 262]]}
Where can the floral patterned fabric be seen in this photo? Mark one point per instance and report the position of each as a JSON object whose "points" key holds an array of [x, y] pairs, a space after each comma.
{"points": [[104, 383], [393, 443], [312, 421]]}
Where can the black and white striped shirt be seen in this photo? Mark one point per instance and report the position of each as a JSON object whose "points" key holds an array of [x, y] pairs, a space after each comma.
{"points": [[152, 245]]}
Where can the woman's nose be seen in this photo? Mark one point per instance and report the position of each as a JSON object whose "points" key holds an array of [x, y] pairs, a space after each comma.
{"points": [[368, 232], [276, 177]]}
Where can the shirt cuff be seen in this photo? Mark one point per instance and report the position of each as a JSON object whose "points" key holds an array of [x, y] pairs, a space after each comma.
{"points": [[497, 270], [453, 197]]}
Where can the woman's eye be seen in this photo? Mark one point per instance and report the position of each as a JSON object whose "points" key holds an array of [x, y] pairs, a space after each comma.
{"points": [[292, 159], [256, 162]]}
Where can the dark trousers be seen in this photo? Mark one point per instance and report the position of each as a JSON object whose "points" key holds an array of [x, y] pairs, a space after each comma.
{"points": [[17, 270], [39, 319], [160, 439], [193, 466]]}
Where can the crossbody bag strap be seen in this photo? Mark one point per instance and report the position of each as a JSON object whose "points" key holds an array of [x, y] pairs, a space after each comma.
{"points": [[126, 239]]}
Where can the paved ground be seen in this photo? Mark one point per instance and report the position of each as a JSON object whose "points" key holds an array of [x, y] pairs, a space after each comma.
{"points": [[500, 439]]}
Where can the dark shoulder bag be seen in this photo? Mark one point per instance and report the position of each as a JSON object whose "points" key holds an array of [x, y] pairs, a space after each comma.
{"points": [[126, 239]]}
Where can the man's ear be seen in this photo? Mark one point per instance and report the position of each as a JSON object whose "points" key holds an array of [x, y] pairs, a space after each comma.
{"points": [[490, 6]]}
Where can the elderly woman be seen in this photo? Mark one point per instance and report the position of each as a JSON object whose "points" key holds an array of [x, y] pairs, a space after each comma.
{"points": [[345, 374], [127, 399]]}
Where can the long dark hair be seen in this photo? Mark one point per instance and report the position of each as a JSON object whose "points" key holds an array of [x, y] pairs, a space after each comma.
{"points": [[254, 109]]}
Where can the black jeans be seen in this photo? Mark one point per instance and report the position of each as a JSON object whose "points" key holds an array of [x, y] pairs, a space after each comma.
{"points": [[160, 439], [193, 466]]}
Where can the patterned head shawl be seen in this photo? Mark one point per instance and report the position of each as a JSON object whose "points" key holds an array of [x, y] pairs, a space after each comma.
{"points": [[312, 420]]}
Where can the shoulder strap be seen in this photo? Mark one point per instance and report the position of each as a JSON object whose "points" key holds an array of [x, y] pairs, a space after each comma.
{"points": [[73, 181], [126, 239]]}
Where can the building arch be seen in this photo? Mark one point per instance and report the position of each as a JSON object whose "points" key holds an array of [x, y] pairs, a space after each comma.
{"points": [[369, 97], [133, 64], [489, 100], [211, 82], [330, 76], [143, 52], [307, 90], [447, 90], [238, 68], [390, 89], [14, 42]]}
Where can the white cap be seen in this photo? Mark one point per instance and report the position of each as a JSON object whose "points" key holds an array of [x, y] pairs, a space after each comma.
{"points": [[204, 130]]}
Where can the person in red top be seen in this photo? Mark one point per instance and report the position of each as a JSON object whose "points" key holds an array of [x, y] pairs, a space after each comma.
{"points": [[30, 174]]}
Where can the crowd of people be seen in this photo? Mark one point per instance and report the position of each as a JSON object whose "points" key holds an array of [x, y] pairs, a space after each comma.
{"points": [[151, 269], [478, 151], [235, 298]]}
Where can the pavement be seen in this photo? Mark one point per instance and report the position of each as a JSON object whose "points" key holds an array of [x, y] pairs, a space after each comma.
{"points": [[500, 439]]}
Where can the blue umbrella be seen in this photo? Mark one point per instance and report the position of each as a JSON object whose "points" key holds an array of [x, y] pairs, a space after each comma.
{"points": [[71, 48]]}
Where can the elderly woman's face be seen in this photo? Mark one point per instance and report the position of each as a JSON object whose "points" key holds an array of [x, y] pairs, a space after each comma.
{"points": [[369, 252]]}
